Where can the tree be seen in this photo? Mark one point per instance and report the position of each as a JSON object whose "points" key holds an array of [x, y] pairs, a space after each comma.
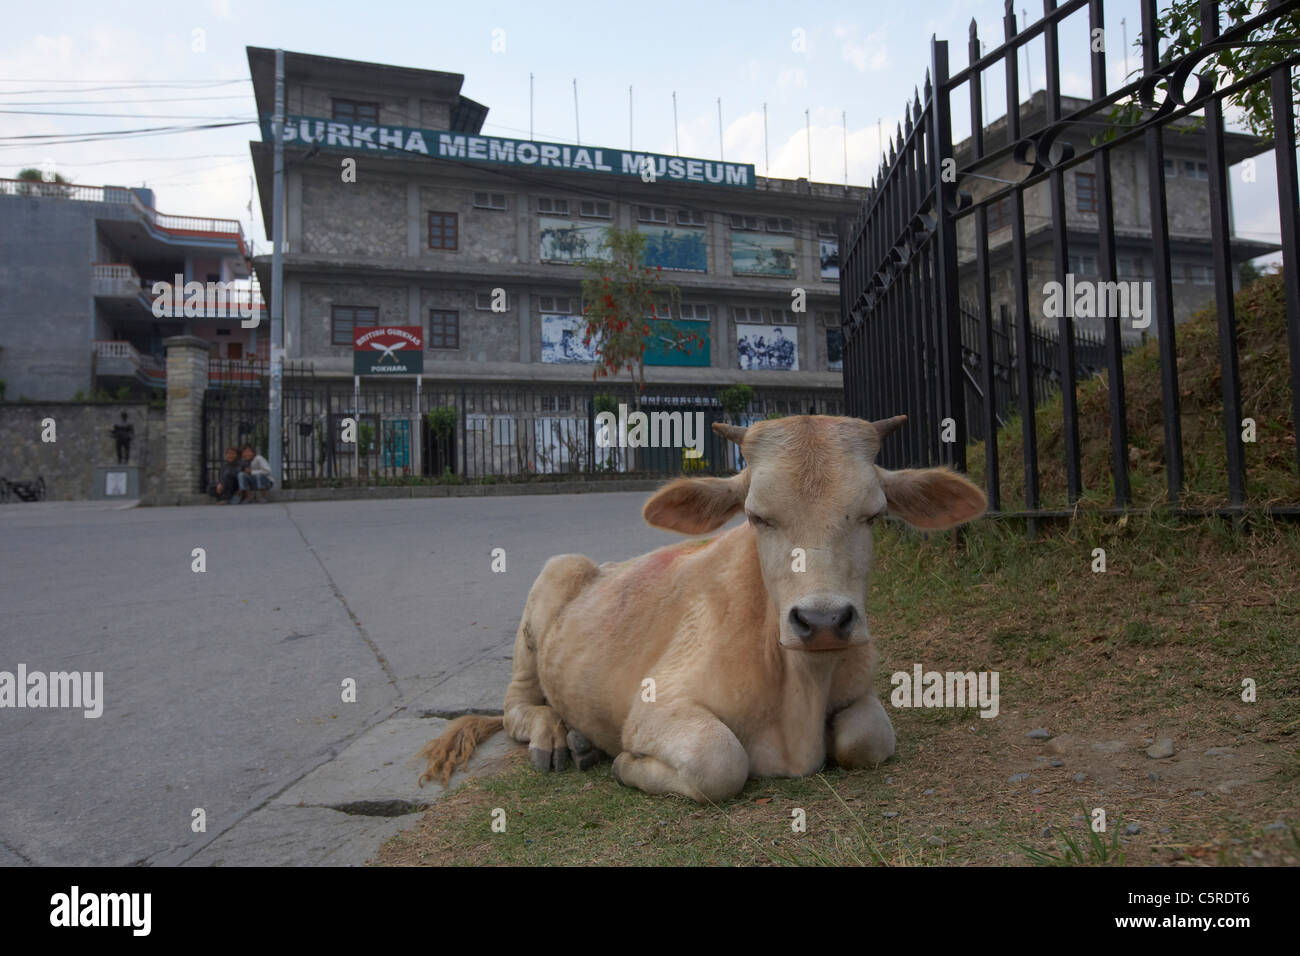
{"points": [[1263, 49], [626, 305], [1248, 272], [53, 187]]}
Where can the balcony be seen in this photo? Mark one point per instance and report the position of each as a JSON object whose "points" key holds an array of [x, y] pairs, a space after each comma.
{"points": [[121, 360], [115, 280], [160, 223], [218, 301]]}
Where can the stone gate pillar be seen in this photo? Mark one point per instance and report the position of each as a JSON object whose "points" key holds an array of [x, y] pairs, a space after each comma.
{"points": [[187, 380]]}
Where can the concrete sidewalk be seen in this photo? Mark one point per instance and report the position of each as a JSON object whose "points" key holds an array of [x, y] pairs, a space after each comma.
{"points": [[342, 812]]}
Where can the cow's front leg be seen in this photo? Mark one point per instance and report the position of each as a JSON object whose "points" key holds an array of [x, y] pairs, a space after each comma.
{"points": [[680, 747], [862, 734]]}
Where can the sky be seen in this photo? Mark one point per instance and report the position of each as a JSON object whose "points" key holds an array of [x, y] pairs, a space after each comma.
{"points": [[840, 72]]}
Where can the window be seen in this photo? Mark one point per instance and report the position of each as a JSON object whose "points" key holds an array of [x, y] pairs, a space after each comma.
{"points": [[691, 217], [1000, 214], [826, 230], [780, 224], [561, 304], [829, 319], [1083, 265], [695, 310], [747, 315], [344, 318], [556, 207], [1130, 267], [483, 301], [1085, 190], [1200, 275], [503, 432], [747, 223], [443, 231], [352, 111], [782, 317], [444, 329], [652, 214], [1195, 170], [490, 201], [557, 403], [594, 209], [1171, 168]]}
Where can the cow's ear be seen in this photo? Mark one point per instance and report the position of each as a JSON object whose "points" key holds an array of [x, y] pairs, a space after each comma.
{"points": [[931, 498], [697, 505]]}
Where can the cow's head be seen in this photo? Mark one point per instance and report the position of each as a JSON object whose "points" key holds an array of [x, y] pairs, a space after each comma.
{"points": [[811, 483]]}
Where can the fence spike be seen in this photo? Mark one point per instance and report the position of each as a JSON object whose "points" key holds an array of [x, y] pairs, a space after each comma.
{"points": [[928, 88], [974, 30], [1009, 8], [907, 120], [916, 104]]}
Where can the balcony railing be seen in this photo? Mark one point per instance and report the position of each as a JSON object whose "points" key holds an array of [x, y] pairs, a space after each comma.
{"points": [[115, 279], [122, 358], [234, 303], [114, 270], [175, 225]]}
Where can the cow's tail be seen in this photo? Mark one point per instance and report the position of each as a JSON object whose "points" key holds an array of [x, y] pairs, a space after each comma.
{"points": [[453, 749]]}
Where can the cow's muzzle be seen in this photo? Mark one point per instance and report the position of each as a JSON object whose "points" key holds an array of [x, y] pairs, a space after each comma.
{"points": [[822, 629]]}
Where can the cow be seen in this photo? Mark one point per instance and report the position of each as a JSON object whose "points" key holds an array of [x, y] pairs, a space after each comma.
{"points": [[708, 662]]}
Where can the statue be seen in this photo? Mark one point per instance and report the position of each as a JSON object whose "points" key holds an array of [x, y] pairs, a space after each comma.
{"points": [[122, 435]]}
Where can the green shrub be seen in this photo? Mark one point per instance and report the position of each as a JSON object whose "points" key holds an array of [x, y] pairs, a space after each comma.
{"points": [[442, 420]]}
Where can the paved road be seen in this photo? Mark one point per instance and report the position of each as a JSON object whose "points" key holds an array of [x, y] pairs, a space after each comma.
{"points": [[223, 688]]}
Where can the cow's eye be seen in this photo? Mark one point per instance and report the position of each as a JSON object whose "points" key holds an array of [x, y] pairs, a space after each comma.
{"points": [[868, 519], [757, 521]]}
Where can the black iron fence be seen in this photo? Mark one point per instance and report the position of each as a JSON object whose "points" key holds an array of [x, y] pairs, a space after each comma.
{"points": [[907, 347], [388, 431], [1044, 347]]}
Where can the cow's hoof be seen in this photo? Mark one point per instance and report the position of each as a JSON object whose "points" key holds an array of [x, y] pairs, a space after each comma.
{"points": [[585, 754], [548, 760]]}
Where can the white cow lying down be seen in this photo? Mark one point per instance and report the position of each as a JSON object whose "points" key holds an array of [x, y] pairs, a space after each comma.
{"points": [[758, 669]]}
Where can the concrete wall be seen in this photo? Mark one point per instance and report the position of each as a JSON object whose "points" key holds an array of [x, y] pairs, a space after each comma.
{"points": [[83, 442], [364, 219], [46, 247], [318, 299]]}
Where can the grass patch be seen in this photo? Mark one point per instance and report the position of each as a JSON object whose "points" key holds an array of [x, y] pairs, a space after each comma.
{"points": [[1264, 369], [1158, 645]]}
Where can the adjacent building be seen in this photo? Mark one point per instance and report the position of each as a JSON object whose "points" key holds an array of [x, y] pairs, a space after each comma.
{"points": [[1187, 190], [78, 267]]}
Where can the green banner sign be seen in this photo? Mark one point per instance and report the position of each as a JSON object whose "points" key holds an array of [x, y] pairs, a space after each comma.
{"points": [[499, 150], [663, 347]]}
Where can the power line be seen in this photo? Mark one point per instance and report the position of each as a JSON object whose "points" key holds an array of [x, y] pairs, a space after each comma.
{"points": [[156, 85], [121, 115], [157, 159], [64, 139], [122, 102]]}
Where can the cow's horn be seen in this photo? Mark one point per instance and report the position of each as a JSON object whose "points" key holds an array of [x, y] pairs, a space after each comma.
{"points": [[733, 433], [887, 426]]}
